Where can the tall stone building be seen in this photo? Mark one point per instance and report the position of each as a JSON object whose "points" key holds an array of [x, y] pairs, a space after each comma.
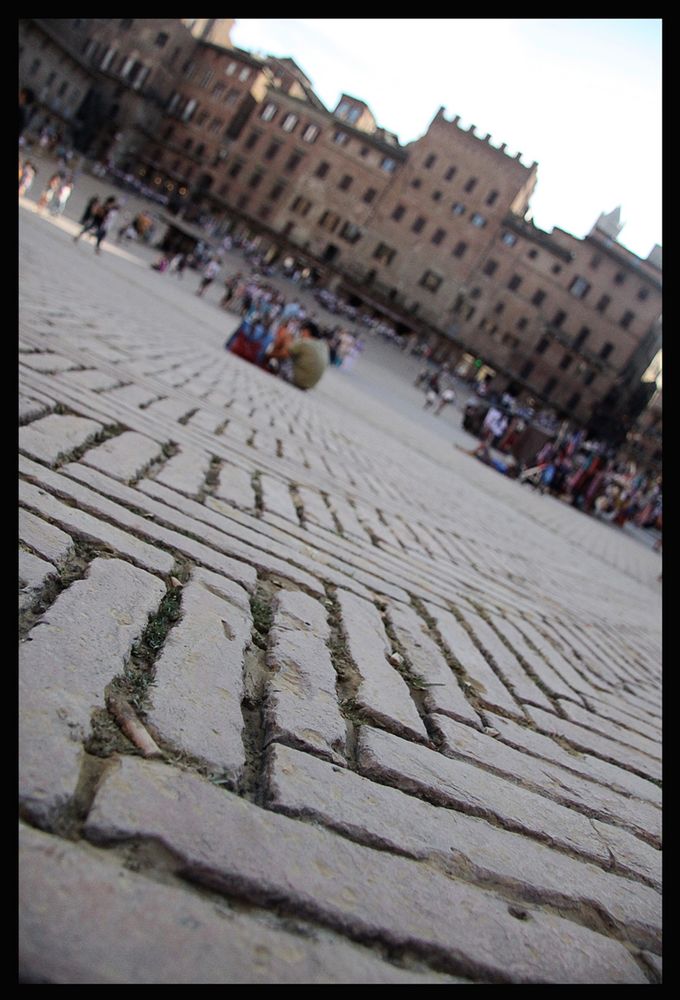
{"points": [[435, 234]]}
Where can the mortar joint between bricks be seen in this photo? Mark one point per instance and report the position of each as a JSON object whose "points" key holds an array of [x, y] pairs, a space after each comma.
{"points": [[348, 678]]}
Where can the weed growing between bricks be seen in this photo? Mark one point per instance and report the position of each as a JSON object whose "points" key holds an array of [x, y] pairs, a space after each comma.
{"points": [[256, 482], [211, 480], [457, 668], [187, 416], [255, 677], [298, 504], [348, 678], [108, 432], [338, 526]]}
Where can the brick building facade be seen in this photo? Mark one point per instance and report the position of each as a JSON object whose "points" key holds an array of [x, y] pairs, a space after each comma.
{"points": [[433, 234]]}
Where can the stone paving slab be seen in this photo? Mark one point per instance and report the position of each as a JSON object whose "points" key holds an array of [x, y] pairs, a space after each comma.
{"points": [[404, 714]]}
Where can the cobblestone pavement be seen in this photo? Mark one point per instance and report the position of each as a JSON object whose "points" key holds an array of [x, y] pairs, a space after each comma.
{"points": [[307, 695]]}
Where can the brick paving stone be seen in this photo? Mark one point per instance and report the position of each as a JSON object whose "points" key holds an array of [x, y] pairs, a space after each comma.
{"points": [[276, 498], [301, 704], [30, 408], [319, 874], [185, 472], [479, 673], [561, 785], [590, 767], [171, 408], [124, 457], [512, 671], [162, 934], [315, 510], [91, 378], [590, 742], [47, 541], [614, 730], [206, 420], [49, 363], [611, 707], [195, 701], [33, 575], [236, 569], [80, 644], [301, 785], [235, 486], [368, 517], [548, 677], [54, 436], [553, 657], [83, 525], [132, 395], [417, 769], [443, 692], [346, 515], [381, 692]]}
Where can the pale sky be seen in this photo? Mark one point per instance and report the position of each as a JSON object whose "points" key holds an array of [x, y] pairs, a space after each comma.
{"points": [[581, 97]]}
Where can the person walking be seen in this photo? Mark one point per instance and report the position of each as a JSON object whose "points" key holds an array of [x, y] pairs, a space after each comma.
{"points": [[28, 173], [100, 222], [210, 272], [53, 185], [63, 194]]}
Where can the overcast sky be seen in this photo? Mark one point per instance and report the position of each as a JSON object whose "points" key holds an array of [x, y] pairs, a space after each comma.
{"points": [[581, 97]]}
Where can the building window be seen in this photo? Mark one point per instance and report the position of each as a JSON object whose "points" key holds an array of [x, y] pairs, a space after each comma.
{"points": [[499, 307], [236, 169], [218, 90], [268, 112], [556, 268], [276, 192], [340, 138], [201, 119], [514, 282], [244, 74], [619, 278], [292, 162], [522, 323], [329, 221], [251, 141], [589, 378], [450, 174], [384, 253], [526, 370], [583, 333], [458, 208], [559, 318], [542, 345], [549, 386], [429, 161], [574, 400], [490, 267], [388, 165], [208, 78], [419, 224], [436, 196], [398, 213], [364, 151], [369, 195], [216, 125], [255, 180], [231, 69], [301, 205], [189, 110], [475, 293], [310, 133], [566, 361], [626, 319], [350, 232], [271, 150], [606, 350], [595, 261], [439, 236], [478, 220], [200, 149], [579, 288], [346, 183], [416, 182], [322, 169], [603, 303], [533, 254], [289, 122], [509, 239], [537, 298], [492, 198], [471, 184], [643, 294], [431, 281], [459, 249]]}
